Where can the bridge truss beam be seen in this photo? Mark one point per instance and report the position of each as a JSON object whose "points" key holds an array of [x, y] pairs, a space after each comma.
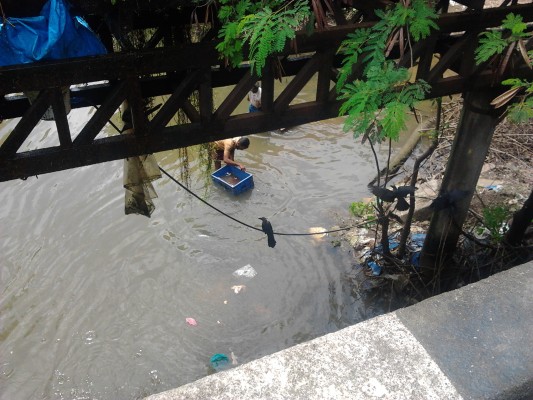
{"points": [[105, 82]]}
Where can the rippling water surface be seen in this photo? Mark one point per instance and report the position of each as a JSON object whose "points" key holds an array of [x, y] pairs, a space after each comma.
{"points": [[94, 302]]}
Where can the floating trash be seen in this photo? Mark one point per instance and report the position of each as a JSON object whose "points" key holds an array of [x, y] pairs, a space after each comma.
{"points": [[318, 232], [247, 271], [237, 288], [234, 360], [191, 321], [219, 361]]}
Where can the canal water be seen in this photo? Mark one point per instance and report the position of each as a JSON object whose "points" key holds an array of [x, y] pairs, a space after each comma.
{"points": [[94, 303]]}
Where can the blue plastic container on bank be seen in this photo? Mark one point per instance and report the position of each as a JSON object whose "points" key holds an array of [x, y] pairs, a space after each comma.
{"points": [[233, 179]]}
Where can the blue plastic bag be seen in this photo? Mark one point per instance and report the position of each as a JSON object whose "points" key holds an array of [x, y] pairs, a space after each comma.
{"points": [[53, 34]]}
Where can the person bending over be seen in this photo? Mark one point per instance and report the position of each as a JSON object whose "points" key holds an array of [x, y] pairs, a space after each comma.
{"points": [[225, 151]]}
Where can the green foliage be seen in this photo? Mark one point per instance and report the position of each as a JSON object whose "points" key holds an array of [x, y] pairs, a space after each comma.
{"points": [[265, 26], [494, 42], [384, 94], [521, 111], [490, 44], [362, 210], [495, 220], [516, 25]]}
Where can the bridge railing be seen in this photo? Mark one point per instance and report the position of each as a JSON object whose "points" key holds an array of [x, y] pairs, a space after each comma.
{"points": [[105, 82]]}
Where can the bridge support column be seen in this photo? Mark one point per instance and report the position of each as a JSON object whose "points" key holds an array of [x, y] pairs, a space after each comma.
{"points": [[472, 140]]}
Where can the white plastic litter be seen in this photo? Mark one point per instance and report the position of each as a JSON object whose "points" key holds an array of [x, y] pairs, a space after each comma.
{"points": [[247, 271], [238, 288]]}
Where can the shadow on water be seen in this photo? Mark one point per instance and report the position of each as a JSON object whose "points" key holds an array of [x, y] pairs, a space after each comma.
{"points": [[94, 303]]}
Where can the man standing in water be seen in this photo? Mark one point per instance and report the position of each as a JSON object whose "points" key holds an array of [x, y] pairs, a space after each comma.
{"points": [[254, 97], [225, 151]]}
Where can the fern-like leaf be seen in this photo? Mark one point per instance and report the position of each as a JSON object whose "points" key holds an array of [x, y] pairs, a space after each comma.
{"points": [[394, 119], [423, 20], [490, 44]]}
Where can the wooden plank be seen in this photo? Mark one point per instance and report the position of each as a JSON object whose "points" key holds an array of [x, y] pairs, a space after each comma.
{"points": [[453, 54], [205, 96], [136, 105], [190, 111], [59, 73], [23, 129], [267, 86], [234, 98], [324, 75], [175, 101], [93, 127], [298, 82], [427, 52], [118, 147], [60, 117]]}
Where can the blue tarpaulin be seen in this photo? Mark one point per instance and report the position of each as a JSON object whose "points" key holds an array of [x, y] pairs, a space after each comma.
{"points": [[52, 35]]}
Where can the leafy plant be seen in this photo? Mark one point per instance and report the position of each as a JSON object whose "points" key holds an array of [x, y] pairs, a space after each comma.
{"points": [[499, 45], [495, 220], [377, 104], [265, 27], [521, 111], [494, 42], [361, 210]]}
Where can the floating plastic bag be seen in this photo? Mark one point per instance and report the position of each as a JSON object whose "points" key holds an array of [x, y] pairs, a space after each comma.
{"points": [[51, 35], [191, 321], [247, 271], [219, 361], [237, 288]]}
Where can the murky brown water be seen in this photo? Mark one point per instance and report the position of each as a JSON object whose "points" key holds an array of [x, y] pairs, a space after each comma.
{"points": [[94, 302]]}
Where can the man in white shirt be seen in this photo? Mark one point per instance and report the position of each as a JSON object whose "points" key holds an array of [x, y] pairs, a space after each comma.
{"points": [[254, 97]]}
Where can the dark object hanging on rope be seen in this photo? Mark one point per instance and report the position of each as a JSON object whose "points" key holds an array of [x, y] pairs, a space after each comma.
{"points": [[448, 200], [267, 228], [389, 196]]}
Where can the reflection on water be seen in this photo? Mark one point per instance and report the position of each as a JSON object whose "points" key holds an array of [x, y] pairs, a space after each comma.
{"points": [[94, 303]]}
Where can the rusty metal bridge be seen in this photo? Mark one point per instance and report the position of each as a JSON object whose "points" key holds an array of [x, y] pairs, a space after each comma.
{"points": [[166, 67]]}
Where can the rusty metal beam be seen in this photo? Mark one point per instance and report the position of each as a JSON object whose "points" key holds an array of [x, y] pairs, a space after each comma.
{"points": [[60, 117], [298, 82], [116, 147], [93, 127], [175, 101], [152, 72], [236, 95], [25, 125]]}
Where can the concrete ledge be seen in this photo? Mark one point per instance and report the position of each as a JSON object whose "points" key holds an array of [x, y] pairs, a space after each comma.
{"points": [[471, 343]]}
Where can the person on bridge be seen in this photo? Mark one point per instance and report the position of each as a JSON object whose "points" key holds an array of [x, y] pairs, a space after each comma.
{"points": [[254, 97], [225, 151]]}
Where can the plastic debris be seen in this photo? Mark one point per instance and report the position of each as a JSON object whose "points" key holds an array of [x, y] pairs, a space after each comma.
{"points": [[219, 361], [247, 271], [417, 239], [415, 260], [495, 188], [392, 245], [376, 269], [318, 233], [233, 359], [191, 321], [238, 288]]}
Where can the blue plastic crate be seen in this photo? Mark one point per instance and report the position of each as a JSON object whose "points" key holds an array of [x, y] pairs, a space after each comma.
{"points": [[233, 179]]}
